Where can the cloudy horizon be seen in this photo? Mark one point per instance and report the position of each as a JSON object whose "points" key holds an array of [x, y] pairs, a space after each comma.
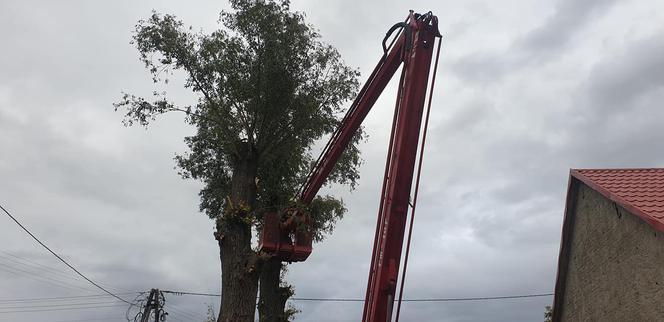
{"points": [[525, 91]]}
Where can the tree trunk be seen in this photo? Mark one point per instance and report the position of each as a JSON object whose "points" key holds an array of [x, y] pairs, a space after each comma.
{"points": [[273, 296], [239, 271]]}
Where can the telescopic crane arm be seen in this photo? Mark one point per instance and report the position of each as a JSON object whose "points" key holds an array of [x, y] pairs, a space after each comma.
{"points": [[413, 48]]}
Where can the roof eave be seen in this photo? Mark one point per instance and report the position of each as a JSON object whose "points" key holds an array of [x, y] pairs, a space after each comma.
{"points": [[618, 200]]}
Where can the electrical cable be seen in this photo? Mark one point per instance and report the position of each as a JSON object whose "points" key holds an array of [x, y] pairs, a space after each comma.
{"points": [[184, 313], [31, 264], [450, 299], [62, 298], [35, 265], [417, 181], [107, 318], [44, 279], [36, 273], [56, 305], [188, 312], [138, 303], [191, 293], [62, 260], [62, 309], [458, 299]]}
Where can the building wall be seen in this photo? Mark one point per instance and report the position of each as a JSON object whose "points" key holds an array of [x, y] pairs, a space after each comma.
{"points": [[616, 264]]}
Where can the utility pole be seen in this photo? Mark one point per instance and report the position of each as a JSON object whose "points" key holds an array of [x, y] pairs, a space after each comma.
{"points": [[154, 303]]}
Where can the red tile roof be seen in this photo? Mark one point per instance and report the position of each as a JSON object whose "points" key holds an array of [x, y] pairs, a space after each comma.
{"points": [[639, 191]]}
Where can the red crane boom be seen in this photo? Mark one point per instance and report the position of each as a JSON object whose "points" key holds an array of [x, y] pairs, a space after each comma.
{"points": [[413, 48]]}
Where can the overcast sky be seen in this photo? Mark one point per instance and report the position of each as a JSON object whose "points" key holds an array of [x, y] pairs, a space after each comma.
{"points": [[526, 90]]}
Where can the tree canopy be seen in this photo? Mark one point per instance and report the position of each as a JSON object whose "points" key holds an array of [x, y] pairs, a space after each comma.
{"points": [[268, 90]]}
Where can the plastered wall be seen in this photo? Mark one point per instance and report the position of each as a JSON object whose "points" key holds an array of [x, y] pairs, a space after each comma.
{"points": [[616, 264]]}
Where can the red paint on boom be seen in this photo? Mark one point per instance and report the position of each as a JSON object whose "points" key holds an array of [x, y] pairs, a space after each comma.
{"points": [[282, 238]]}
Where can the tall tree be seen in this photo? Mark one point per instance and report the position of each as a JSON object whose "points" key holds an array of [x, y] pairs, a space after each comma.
{"points": [[268, 89]]}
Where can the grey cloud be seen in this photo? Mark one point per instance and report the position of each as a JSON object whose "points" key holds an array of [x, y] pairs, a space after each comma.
{"points": [[494, 177], [536, 46], [483, 67], [618, 82], [563, 25]]}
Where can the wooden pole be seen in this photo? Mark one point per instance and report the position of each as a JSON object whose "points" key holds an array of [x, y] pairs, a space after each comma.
{"points": [[148, 307]]}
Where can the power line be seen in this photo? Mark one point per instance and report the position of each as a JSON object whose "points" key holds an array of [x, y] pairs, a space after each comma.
{"points": [[60, 258], [184, 312], [37, 273], [30, 306], [48, 269], [62, 298], [108, 318], [35, 265], [63, 309], [40, 278], [450, 299], [191, 293], [79, 306]]}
